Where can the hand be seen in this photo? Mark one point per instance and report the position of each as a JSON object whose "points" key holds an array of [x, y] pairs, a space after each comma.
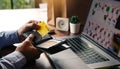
{"points": [[27, 27], [28, 50]]}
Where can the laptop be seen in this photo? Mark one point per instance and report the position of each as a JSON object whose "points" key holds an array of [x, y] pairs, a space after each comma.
{"points": [[98, 45]]}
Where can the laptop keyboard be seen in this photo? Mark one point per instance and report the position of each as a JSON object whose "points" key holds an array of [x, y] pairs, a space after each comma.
{"points": [[87, 54]]}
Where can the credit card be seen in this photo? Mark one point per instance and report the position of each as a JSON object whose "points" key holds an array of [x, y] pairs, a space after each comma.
{"points": [[44, 29]]}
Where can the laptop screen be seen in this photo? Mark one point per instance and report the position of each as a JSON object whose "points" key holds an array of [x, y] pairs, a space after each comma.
{"points": [[103, 24]]}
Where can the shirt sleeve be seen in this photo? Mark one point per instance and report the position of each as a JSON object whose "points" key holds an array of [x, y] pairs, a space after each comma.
{"points": [[8, 38], [15, 60]]}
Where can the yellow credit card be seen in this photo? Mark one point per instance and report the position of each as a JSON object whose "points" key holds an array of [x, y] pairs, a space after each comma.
{"points": [[43, 29]]}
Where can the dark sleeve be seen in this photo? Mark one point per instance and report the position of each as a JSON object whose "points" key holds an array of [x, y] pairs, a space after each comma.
{"points": [[8, 38]]}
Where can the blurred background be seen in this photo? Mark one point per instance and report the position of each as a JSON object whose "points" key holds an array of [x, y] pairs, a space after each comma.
{"points": [[17, 12]]}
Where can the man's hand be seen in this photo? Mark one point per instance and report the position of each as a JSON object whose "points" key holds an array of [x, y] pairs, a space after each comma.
{"points": [[28, 50], [27, 27]]}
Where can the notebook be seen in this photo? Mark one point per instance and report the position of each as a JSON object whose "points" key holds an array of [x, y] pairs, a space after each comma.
{"points": [[98, 45]]}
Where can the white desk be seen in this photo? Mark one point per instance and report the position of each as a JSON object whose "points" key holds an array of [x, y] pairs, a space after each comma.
{"points": [[13, 19]]}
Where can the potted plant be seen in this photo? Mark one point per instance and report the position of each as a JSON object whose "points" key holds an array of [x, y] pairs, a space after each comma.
{"points": [[74, 24]]}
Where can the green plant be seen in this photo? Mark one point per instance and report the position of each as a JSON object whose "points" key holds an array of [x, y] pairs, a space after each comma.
{"points": [[74, 19]]}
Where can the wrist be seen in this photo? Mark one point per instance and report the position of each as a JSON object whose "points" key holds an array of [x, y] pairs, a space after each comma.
{"points": [[20, 35]]}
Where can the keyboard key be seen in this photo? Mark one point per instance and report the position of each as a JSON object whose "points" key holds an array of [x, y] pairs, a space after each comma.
{"points": [[87, 54]]}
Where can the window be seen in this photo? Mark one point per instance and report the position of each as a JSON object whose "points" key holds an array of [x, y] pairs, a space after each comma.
{"points": [[17, 4], [20, 4], [5, 4]]}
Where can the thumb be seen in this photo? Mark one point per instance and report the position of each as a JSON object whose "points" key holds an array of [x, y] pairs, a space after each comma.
{"points": [[30, 37]]}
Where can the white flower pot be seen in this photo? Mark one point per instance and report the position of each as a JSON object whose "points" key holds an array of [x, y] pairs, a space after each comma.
{"points": [[74, 28]]}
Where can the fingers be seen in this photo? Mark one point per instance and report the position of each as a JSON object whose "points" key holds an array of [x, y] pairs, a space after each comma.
{"points": [[30, 37], [33, 25], [33, 21]]}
